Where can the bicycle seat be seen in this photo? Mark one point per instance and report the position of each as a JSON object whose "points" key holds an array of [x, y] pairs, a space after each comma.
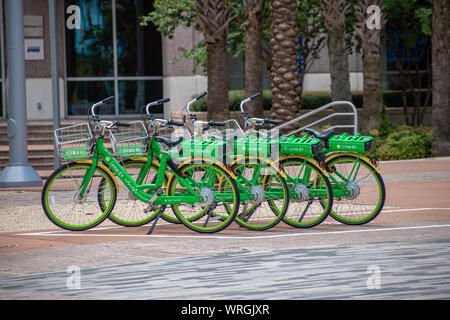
{"points": [[167, 141], [319, 134]]}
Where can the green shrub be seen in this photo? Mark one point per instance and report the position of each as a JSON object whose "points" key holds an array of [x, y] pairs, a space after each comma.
{"points": [[310, 100], [404, 143]]}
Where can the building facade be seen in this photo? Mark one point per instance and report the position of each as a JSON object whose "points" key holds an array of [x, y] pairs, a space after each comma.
{"points": [[103, 51]]}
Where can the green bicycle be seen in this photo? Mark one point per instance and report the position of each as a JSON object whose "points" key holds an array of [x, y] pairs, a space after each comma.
{"points": [[68, 202], [311, 194], [261, 186], [358, 187]]}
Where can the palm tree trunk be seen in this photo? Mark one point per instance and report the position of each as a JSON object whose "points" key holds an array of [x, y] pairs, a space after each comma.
{"points": [[285, 67], [253, 56], [371, 41], [218, 82], [441, 78], [213, 17], [334, 18]]}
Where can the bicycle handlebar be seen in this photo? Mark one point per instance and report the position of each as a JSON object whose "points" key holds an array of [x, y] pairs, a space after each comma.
{"points": [[201, 95], [154, 103], [100, 103], [213, 123]]}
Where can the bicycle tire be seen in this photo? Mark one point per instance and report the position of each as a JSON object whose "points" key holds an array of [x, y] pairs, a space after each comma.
{"points": [[61, 206], [306, 211], [370, 187]]}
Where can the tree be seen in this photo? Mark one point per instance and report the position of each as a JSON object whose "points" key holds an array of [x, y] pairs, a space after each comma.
{"points": [[334, 12], [370, 35], [285, 66], [212, 18], [441, 78], [254, 10], [334, 18]]}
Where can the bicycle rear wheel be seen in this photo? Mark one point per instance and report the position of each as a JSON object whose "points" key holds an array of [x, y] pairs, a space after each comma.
{"points": [[207, 181], [361, 193], [60, 197], [268, 190], [129, 211], [311, 195]]}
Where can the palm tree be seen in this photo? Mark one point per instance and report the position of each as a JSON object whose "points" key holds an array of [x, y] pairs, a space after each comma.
{"points": [[334, 18], [285, 66], [213, 17], [254, 10], [441, 78], [370, 38], [333, 12]]}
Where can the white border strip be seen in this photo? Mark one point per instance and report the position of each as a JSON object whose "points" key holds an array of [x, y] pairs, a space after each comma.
{"points": [[74, 234], [67, 233]]}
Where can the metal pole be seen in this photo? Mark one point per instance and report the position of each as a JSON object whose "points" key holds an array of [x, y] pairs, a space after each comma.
{"points": [[18, 172], [55, 76]]}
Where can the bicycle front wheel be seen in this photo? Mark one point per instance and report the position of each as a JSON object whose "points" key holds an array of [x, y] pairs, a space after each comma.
{"points": [[62, 205], [205, 180]]}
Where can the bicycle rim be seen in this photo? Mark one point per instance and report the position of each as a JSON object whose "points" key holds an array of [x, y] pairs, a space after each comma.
{"points": [[366, 189], [311, 196], [62, 206], [206, 180]]}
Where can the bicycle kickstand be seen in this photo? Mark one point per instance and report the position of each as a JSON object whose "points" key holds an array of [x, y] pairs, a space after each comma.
{"points": [[156, 221], [158, 192]]}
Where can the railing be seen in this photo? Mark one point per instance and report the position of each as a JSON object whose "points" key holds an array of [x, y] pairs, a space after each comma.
{"points": [[354, 113]]}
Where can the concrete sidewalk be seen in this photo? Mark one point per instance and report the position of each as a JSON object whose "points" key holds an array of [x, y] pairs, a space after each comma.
{"points": [[408, 241]]}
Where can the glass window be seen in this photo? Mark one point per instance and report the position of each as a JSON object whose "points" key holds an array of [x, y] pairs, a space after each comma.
{"points": [[90, 48], [133, 95], [94, 72], [138, 48], [81, 95]]}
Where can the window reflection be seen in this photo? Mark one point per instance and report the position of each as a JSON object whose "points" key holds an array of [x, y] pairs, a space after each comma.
{"points": [[138, 48], [135, 94], [81, 95], [90, 57]]}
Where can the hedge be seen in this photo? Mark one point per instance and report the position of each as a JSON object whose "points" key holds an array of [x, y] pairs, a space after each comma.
{"points": [[310, 100]]}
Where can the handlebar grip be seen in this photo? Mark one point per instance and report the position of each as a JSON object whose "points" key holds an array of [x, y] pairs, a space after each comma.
{"points": [[175, 123], [122, 124], [107, 100], [255, 95], [201, 95], [164, 100], [217, 123], [267, 120]]}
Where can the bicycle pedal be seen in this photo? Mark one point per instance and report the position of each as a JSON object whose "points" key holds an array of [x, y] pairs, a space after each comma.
{"points": [[151, 207]]}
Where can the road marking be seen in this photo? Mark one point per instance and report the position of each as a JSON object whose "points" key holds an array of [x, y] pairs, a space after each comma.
{"points": [[215, 236]]}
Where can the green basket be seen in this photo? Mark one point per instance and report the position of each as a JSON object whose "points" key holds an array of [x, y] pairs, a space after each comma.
{"points": [[198, 148], [256, 146], [352, 143], [300, 145]]}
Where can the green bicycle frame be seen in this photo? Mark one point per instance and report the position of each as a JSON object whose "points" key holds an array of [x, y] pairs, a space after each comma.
{"points": [[101, 152]]}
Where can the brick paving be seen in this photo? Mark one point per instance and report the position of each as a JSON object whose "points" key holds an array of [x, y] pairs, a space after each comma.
{"points": [[406, 248]]}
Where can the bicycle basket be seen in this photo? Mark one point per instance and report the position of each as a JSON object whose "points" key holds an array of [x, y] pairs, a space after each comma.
{"points": [[130, 141], [74, 142]]}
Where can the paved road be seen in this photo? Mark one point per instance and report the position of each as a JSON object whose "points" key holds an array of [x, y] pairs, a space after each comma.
{"points": [[403, 254]]}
